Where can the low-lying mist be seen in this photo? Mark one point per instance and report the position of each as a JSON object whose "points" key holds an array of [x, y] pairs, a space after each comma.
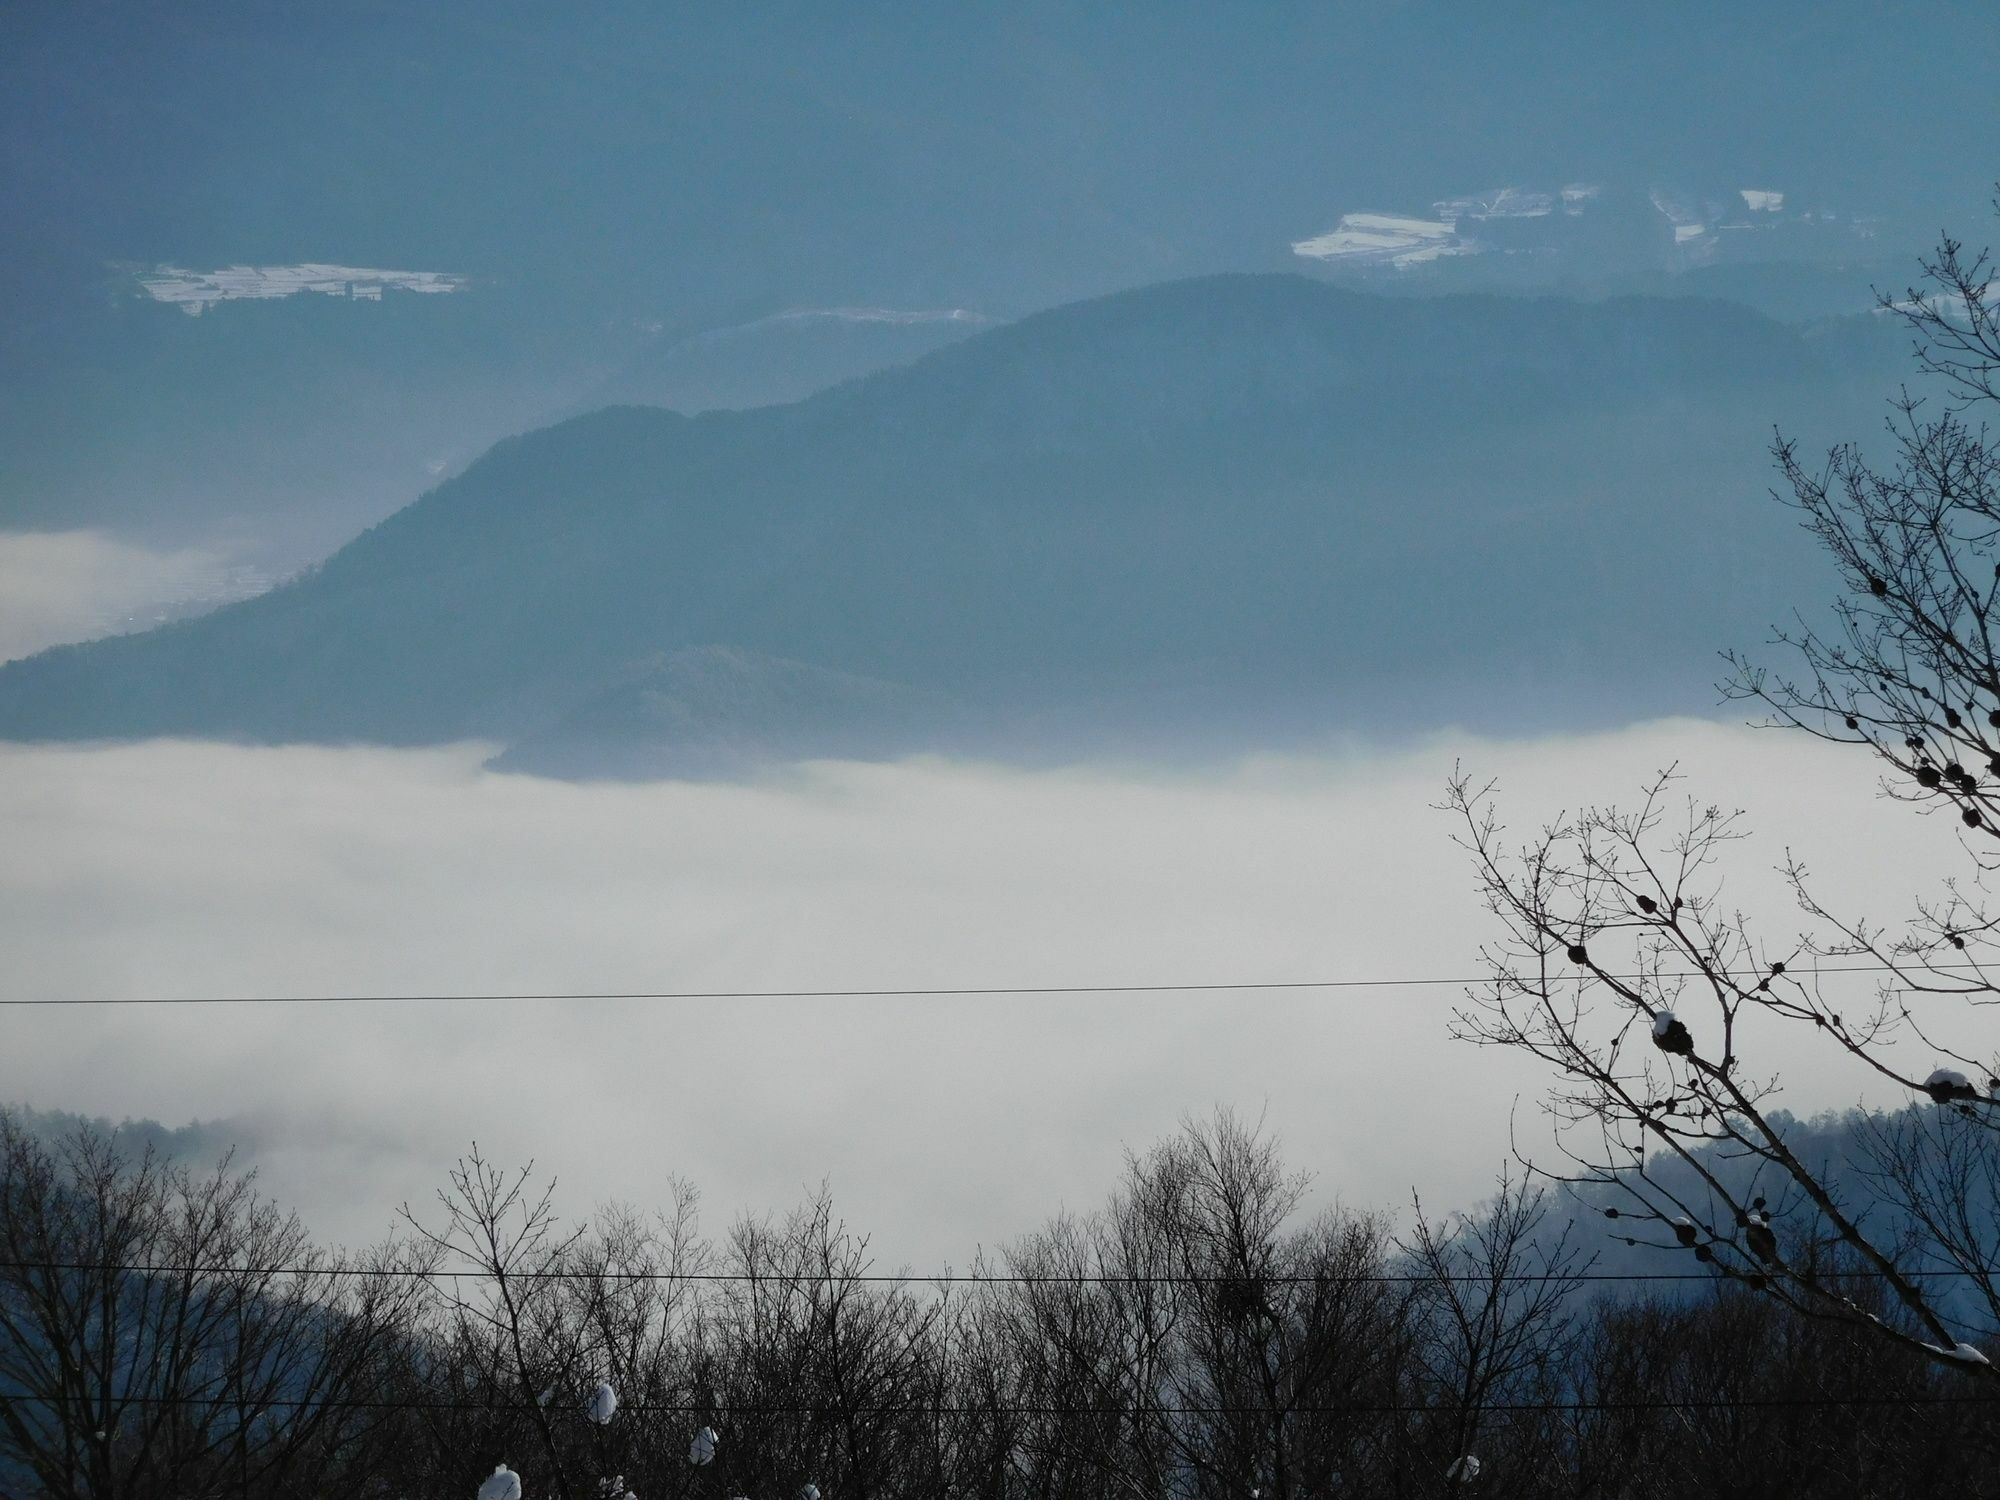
{"points": [[175, 869], [61, 587]]}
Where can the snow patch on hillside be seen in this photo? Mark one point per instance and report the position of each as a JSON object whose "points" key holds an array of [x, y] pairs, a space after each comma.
{"points": [[899, 316], [1385, 239], [1497, 203], [1952, 305], [195, 291], [1510, 221]]}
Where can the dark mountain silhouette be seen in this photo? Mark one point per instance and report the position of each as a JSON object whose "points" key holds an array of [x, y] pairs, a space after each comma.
{"points": [[1845, 1152], [197, 1144], [1210, 511]]}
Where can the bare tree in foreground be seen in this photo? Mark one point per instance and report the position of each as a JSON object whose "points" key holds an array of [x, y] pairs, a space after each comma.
{"points": [[165, 1331], [1657, 1007], [1494, 1331], [1200, 1337], [501, 1326]]}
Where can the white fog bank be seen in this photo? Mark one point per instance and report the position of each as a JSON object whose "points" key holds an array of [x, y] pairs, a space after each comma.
{"points": [[176, 869], [60, 587]]}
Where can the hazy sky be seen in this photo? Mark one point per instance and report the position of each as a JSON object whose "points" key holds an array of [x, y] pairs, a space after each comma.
{"points": [[180, 869]]}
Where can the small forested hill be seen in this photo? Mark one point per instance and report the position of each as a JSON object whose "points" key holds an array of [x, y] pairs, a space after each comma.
{"points": [[1222, 508], [1898, 1173]]}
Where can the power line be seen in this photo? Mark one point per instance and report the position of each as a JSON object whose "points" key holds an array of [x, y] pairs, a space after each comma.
{"points": [[925, 1408], [975, 1278], [917, 993]]}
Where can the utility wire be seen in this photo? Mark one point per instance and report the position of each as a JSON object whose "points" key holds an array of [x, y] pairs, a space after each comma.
{"points": [[930, 992], [969, 1278], [683, 1408]]}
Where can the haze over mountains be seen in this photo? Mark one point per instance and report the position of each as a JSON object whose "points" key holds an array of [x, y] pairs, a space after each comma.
{"points": [[1175, 514], [662, 173], [1213, 513]]}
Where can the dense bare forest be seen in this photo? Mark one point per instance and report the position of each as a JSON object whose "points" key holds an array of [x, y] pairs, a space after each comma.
{"points": [[167, 1331]]}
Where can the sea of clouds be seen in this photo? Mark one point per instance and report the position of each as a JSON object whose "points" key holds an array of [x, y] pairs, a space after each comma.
{"points": [[942, 1123]]}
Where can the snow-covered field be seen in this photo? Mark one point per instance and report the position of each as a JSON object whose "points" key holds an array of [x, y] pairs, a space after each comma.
{"points": [[194, 291], [895, 315], [1385, 239], [1694, 223], [1499, 203]]}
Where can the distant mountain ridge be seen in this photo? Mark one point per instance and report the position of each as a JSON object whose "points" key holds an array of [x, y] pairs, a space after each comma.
{"points": [[782, 357], [1201, 509]]}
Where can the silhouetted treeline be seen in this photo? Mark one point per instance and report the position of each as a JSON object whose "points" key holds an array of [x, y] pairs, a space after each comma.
{"points": [[166, 1332]]}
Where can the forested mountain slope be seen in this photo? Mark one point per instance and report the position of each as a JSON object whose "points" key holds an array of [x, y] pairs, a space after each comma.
{"points": [[1168, 513]]}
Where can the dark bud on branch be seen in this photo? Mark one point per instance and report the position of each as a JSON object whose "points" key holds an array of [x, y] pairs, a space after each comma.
{"points": [[1947, 1085], [1762, 1242], [1670, 1035], [1239, 1298]]}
